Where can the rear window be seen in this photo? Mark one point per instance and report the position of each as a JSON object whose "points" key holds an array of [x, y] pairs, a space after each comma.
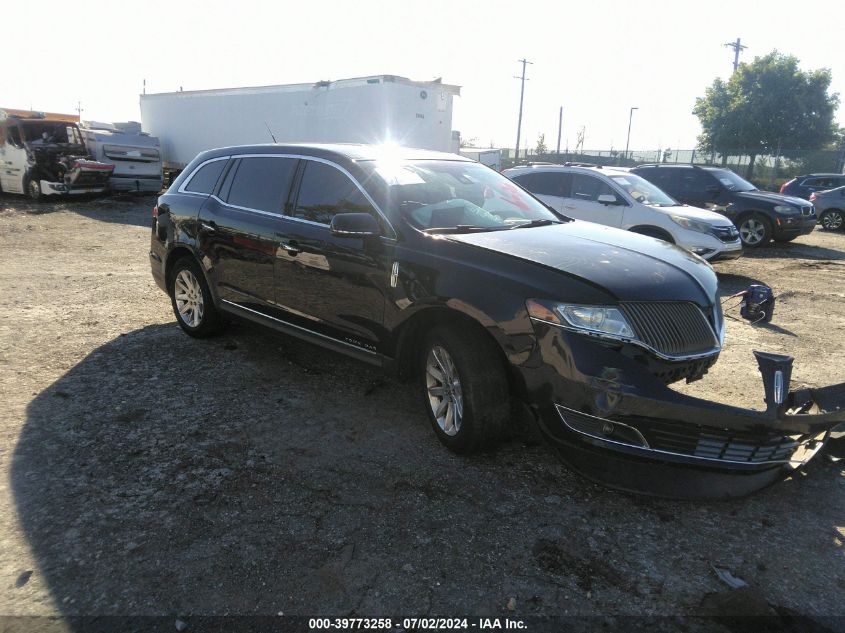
{"points": [[204, 179]]}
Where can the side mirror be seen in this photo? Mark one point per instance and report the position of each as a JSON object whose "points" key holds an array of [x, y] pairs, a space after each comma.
{"points": [[355, 225], [608, 198]]}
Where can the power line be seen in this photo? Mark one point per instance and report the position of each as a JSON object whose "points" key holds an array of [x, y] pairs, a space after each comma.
{"points": [[521, 99], [738, 47]]}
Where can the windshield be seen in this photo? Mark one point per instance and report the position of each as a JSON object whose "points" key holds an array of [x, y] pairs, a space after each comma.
{"points": [[643, 191], [731, 181], [51, 132], [453, 196]]}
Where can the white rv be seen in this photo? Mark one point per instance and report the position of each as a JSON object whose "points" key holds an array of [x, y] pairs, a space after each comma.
{"points": [[44, 154], [135, 156], [382, 108]]}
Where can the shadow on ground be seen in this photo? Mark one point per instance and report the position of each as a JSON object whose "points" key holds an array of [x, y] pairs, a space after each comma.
{"points": [[133, 209], [251, 475]]}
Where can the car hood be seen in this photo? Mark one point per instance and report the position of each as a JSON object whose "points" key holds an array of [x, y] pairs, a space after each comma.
{"points": [[696, 213], [630, 267], [770, 198]]}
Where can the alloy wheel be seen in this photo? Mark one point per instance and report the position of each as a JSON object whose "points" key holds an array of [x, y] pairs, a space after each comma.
{"points": [[752, 231], [444, 390], [188, 294], [832, 220]]}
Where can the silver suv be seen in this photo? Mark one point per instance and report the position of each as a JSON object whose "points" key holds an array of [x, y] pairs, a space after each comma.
{"points": [[618, 198]]}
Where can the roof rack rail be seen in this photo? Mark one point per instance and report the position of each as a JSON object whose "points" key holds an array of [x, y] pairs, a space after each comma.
{"points": [[569, 164], [670, 165]]}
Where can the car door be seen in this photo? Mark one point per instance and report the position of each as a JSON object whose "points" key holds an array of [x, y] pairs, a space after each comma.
{"points": [[13, 161], [590, 198], [333, 286], [238, 229]]}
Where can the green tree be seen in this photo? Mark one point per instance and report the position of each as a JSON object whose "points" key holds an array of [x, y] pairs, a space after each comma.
{"points": [[541, 145], [765, 106]]}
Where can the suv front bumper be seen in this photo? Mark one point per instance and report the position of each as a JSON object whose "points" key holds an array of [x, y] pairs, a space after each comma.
{"points": [[790, 227], [615, 422]]}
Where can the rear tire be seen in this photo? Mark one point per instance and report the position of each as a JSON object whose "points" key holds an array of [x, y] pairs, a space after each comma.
{"points": [[832, 220], [191, 299], [464, 388], [755, 230]]}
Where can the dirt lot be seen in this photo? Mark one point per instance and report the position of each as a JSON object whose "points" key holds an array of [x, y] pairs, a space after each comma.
{"points": [[144, 472]]}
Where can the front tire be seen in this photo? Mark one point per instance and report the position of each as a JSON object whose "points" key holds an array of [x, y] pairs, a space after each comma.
{"points": [[832, 220], [464, 389], [33, 190], [192, 302], [755, 230]]}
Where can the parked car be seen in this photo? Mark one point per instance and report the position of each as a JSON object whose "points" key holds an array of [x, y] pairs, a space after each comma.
{"points": [[760, 216], [443, 270], [623, 200], [830, 207], [804, 186]]}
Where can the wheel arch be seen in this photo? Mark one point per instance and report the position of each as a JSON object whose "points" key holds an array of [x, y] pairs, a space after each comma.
{"points": [[651, 230], [412, 331], [744, 215], [178, 252]]}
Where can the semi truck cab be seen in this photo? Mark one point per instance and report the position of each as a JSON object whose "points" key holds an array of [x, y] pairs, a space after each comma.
{"points": [[45, 155]]}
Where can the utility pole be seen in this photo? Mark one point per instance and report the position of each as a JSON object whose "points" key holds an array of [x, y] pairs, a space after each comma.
{"points": [[738, 47], [559, 128], [521, 98], [79, 110], [627, 142]]}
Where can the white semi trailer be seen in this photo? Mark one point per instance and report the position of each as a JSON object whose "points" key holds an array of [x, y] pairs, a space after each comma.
{"points": [[382, 108]]}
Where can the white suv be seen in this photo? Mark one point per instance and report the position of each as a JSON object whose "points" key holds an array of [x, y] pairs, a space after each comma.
{"points": [[615, 197]]}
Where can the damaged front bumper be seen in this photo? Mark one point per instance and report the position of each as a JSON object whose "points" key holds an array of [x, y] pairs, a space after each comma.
{"points": [[84, 176], [617, 423]]}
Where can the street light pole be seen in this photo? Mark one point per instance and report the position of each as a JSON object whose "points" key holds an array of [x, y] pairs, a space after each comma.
{"points": [[521, 98], [628, 141]]}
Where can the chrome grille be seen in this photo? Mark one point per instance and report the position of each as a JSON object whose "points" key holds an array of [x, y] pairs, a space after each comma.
{"points": [[725, 233], [710, 443], [807, 210], [673, 328]]}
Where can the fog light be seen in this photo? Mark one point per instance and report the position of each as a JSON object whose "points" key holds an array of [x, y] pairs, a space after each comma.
{"points": [[701, 251]]}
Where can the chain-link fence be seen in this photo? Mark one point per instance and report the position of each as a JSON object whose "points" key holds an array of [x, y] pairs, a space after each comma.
{"points": [[769, 172]]}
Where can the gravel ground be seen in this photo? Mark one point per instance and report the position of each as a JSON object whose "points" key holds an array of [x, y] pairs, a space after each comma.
{"points": [[144, 472]]}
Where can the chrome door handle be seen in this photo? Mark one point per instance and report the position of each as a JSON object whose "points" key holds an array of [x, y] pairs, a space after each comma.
{"points": [[291, 247], [208, 228]]}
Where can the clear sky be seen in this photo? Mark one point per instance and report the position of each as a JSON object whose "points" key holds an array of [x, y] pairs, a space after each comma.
{"points": [[595, 58]]}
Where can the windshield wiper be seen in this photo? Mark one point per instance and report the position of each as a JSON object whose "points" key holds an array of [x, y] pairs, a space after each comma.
{"points": [[463, 228], [542, 222]]}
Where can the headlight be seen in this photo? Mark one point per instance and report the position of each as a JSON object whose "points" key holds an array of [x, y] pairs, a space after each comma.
{"points": [[692, 225], [598, 319], [783, 208]]}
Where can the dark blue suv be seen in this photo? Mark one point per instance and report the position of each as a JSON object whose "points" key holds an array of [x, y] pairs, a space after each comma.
{"points": [[760, 216], [804, 186]]}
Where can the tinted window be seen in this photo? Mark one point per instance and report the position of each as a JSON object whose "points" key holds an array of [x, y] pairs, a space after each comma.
{"points": [[261, 183], [695, 181], [552, 184], [325, 191], [667, 179], [589, 189], [205, 177]]}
